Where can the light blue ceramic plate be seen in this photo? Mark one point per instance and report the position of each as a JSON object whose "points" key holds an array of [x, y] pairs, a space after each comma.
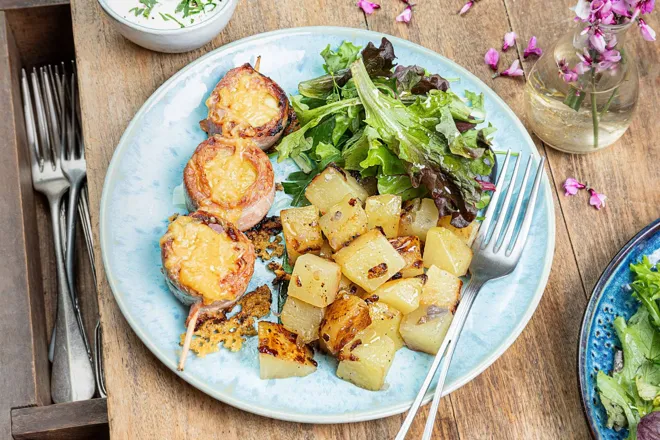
{"points": [[610, 298], [138, 198]]}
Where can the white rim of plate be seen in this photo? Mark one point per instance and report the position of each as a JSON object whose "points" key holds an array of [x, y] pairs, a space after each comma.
{"points": [[339, 418], [185, 30]]}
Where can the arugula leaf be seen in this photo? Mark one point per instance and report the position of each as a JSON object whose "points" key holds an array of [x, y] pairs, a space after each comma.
{"points": [[327, 154], [296, 184], [340, 59]]}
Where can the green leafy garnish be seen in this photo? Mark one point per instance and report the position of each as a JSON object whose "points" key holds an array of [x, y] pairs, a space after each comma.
{"points": [[146, 10], [340, 59]]}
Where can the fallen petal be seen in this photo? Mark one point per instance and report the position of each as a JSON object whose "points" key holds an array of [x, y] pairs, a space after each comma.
{"points": [[572, 186], [405, 16], [466, 7], [367, 6], [513, 70], [597, 200], [647, 32], [509, 40], [492, 58], [532, 49]]}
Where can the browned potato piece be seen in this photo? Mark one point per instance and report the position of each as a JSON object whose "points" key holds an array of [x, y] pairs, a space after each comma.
{"points": [[366, 360], [417, 217], [280, 355], [447, 251], [343, 222], [330, 186], [370, 260], [302, 232], [247, 104], [302, 319], [384, 211], [385, 320], [230, 178], [441, 289], [315, 280], [467, 234], [426, 328], [343, 319], [410, 249]]}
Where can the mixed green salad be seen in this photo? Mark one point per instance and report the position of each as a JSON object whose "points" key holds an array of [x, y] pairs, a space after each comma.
{"points": [[631, 394], [399, 126]]}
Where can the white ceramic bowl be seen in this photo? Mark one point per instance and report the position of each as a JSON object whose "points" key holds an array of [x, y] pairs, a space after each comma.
{"points": [[173, 40]]}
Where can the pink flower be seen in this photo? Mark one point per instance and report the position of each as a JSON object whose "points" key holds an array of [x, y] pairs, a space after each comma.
{"points": [[513, 70], [597, 200], [509, 40], [646, 6], [597, 40], [486, 186], [608, 60], [492, 58], [572, 186], [367, 6], [565, 72], [620, 7], [585, 65], [532, 49], [582, 9], [466, 7], [405, 16], [647, 32]]}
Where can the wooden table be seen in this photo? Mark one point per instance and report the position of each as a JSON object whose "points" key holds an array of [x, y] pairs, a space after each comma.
{"points": [[532, 390]]}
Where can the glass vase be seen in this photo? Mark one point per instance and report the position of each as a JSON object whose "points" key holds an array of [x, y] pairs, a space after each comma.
{"points": [[578, 110]]}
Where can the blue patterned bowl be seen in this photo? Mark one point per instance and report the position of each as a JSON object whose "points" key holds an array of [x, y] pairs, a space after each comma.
{"points": [[610, 298], [138, 198]]}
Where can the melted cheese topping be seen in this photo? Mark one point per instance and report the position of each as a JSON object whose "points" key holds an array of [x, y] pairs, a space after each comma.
{"points": [[249, 104], [204, 257], [229, 176]]}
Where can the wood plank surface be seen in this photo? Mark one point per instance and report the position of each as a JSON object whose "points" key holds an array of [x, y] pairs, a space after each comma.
{"points": [[87, 419], [531, 391]]}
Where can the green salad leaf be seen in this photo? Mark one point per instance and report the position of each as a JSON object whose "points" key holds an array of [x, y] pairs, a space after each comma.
{"points": [[632, 391], [340, 59]]}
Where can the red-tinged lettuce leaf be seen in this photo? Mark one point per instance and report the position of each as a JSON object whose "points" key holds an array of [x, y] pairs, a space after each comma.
{"points": [[413, 80], [426, 155], [649, 427]]}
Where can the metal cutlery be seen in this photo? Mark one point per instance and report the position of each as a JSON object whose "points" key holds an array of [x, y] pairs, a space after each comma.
{"points": [[496, 255], [72, 376]]}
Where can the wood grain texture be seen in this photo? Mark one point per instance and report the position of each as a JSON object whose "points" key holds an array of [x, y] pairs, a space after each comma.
{"points": [[24, 366], [87, 419], [23, 4], [531, 391]]}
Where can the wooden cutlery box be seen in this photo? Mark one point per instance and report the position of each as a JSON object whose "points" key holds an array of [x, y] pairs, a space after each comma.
{"points": [[34, 33]]}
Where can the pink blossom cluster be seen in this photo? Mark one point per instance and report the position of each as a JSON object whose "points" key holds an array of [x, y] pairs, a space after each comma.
{"points": [[370, 7], [601, 54], [572, 186], [492, 57]]}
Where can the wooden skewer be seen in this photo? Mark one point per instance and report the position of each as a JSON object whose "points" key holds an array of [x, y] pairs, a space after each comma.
{"points": [[186, 342], [258, 63]]}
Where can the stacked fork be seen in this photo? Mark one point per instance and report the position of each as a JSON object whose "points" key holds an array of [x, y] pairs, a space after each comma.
{"points": [[58, 166]]}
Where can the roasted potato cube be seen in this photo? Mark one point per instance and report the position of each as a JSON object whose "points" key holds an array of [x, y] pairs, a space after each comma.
{"points": [[326, 251], [315, 280], [402, 294], [417, 217], [302, 232], [385, 320], [447, 251], [342, 320], [331, 186], [279, 354], [343, 222], [441, 289], [410, 249], [370, 260], [467, 234], [366, 360], [425, 328], [348, 286], [302, 319], [385, 212]]}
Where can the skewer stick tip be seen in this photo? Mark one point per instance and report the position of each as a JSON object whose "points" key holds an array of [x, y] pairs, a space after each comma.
{"points": [[186, 343], [257, 64]]}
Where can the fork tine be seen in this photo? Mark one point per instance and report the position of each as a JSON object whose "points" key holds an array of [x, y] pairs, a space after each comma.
{"points": [[42, 130], [516, 210], [501, 219], [31, 129], [485, 225], [71, 144], [521, 239], [50, 106]]}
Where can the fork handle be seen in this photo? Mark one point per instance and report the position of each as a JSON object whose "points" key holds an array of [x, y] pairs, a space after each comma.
{"points": [[464, 307], [462, 312], [72, 377]]}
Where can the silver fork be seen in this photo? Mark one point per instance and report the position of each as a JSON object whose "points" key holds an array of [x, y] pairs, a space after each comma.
{"points": [[74, 168], [495, 256], [71, 374]]}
